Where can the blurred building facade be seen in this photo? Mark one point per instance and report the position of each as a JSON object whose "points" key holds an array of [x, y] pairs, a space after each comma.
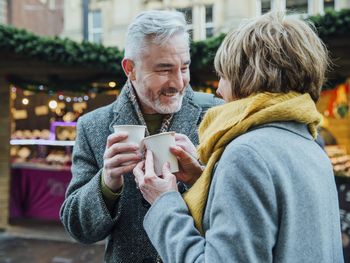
{"points": [[106, 21], [3, 11], [43, 17]]}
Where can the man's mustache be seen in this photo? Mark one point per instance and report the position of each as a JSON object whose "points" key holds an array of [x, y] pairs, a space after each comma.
{"points": [[170, 90]]}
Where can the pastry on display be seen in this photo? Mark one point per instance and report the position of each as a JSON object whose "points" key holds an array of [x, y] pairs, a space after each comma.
{"points": [[45, 134], [27, 134], [36, 134]]}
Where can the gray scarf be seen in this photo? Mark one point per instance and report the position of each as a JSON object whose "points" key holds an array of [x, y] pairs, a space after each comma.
{"points": [[130, 93]]}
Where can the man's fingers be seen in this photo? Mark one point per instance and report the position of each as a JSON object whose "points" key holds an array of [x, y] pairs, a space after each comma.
{"points": [[180, 137], [122, 159], [116, 137], [182, 155], [120, 148], [118, 171]]}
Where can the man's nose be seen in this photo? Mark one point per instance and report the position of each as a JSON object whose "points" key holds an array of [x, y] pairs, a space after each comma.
{"points": [[177, 80]]}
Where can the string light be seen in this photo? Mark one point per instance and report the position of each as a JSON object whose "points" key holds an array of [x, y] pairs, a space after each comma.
{"points": [[53, 104], [112, 84], [25, 101]]}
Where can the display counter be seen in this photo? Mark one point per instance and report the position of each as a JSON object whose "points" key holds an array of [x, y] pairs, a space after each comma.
{"points": [[37, 191], [343, 187]]}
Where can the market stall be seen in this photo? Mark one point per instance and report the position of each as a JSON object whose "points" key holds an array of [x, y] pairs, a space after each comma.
{"points": [[42, 138]]}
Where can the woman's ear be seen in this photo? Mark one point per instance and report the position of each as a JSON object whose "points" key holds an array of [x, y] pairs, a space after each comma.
{"points": [[129, 68]]}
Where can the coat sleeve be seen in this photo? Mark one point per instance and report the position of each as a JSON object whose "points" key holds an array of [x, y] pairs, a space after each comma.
{"points": [[84, 212], [241, 216]]}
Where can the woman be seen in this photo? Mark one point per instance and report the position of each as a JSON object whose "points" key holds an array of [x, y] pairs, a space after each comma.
{"points": [[267, 193]]}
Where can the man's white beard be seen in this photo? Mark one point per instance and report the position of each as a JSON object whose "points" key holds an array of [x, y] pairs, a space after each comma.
{"points": [[167, 109]]}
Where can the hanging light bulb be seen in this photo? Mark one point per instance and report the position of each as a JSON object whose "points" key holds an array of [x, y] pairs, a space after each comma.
{"points": [[112, 84], [53, 104], [25, 101]]}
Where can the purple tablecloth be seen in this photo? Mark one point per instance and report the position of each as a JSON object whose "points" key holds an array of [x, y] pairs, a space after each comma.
{"points": [[37, 193]]}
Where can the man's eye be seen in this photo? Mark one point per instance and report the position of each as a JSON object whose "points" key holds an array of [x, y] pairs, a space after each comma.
{"points": [[164, 70], [184, 69]]}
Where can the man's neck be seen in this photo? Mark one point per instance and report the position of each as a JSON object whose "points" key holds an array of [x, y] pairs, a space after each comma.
{"points": [[153, 122]]}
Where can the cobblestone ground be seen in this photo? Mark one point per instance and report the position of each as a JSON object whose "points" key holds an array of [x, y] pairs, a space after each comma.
{"points": [[34, 241], [26, 250]]}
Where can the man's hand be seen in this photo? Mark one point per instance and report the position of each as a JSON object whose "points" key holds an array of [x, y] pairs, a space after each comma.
{"points": [[185, 152], [151, 185], [119, 158]]}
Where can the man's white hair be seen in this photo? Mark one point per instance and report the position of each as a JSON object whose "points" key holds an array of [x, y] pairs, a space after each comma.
{"points": [[155, 27]]}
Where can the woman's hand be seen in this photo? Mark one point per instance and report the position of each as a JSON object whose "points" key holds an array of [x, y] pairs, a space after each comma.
{"points": [[151, 185], [185, 152]]}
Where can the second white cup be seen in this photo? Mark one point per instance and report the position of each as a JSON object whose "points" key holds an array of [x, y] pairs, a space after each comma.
{"points": [[159, 144]]}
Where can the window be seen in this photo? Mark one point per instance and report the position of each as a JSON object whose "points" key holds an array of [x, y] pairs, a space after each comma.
{"points": [[2, 12], [52, 4], [297, 6], [265, 6], [328, 4], [209, 21], [95, 26], [188, 15]]}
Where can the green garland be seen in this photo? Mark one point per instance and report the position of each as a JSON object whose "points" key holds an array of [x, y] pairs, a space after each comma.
{"points": [[57, 50], [332, 23], [86, 54]]}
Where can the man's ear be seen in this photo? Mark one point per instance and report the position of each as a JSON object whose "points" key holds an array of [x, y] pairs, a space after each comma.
{"points": [[129, 68]]}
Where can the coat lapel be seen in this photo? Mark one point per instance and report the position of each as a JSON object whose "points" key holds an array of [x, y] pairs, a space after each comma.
{"points": [[186, 120], [124, 112]]}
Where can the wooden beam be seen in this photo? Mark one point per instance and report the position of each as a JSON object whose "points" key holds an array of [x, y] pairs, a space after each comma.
{"points": [[5, 133]]}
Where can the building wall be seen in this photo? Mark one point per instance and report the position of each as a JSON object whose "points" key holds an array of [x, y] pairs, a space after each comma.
{"points": [[116, 15], [73, 21], [341, 4], [3, 11], [43, 17]]}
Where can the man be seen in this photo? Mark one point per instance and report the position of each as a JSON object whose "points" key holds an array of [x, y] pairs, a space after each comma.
{"points": [[102, 200]]}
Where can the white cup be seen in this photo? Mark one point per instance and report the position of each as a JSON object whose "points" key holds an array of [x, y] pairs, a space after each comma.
{"points": [[135, 134], [160, 144]]}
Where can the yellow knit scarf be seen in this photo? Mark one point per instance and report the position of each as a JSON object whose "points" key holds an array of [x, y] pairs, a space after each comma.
{"points": [[224, 123]]}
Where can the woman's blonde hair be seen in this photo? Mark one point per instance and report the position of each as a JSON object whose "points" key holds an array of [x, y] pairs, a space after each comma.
{"points": [[273, 53]]}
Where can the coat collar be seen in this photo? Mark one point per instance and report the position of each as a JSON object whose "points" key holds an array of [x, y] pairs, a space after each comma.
{"points": [[184, 121], [292, 126]]}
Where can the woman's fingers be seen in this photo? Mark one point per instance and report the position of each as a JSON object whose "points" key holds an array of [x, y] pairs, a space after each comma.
{"points": [[149, 164], [138, 173]]}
